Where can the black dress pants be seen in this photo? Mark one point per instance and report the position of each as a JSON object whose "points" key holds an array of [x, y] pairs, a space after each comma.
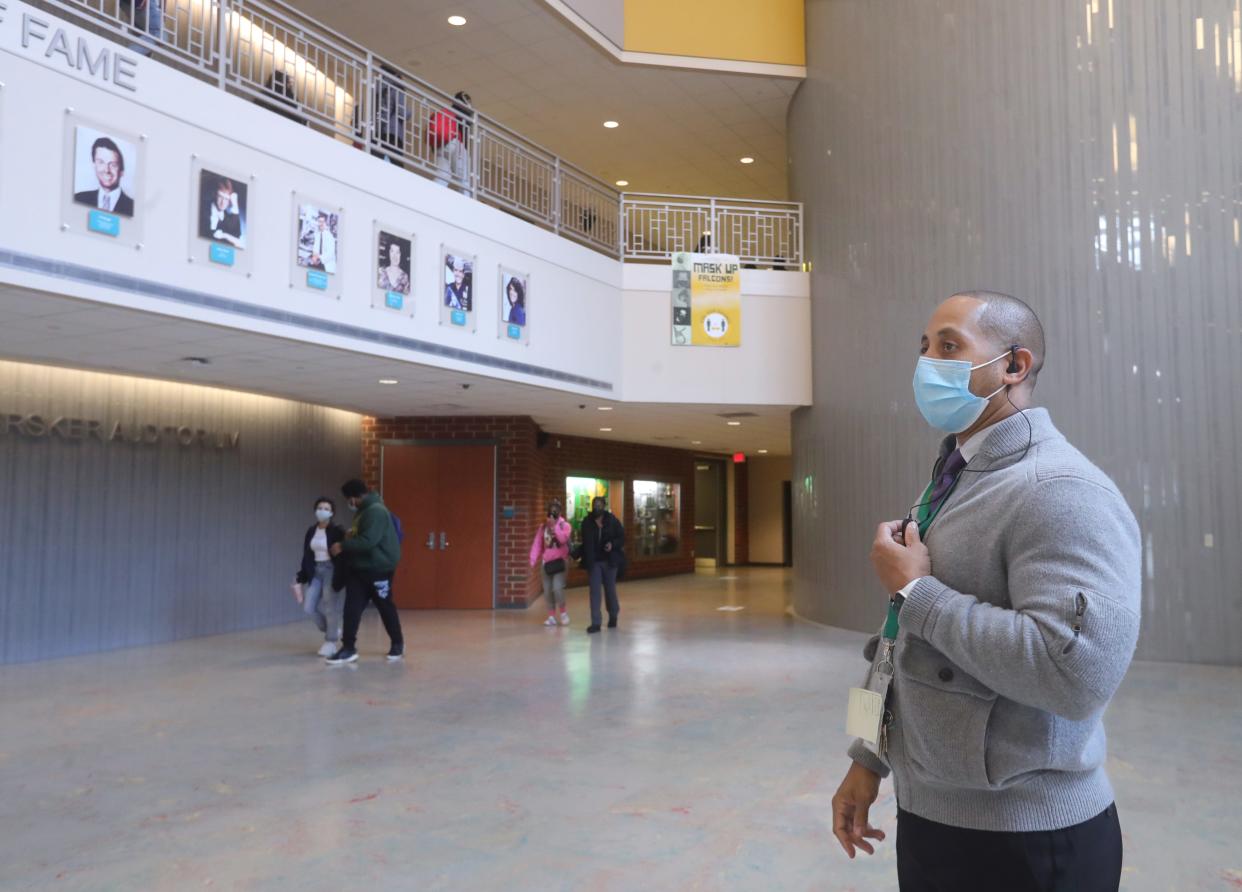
{"points": [[358, 591], [934, 857]]}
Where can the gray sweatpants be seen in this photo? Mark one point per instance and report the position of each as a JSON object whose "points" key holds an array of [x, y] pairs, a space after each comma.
{"points": [[554, 590]]}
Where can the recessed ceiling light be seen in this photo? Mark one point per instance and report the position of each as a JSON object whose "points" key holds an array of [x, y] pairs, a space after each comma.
{"points": [[605, 430], [457, 20], [735, 424], [763, 452], [623, 182], [611, 125], [388, 381], [605, 408], [696, 442], [747, 160]]}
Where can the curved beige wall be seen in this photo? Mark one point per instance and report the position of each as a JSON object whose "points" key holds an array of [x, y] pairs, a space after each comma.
{"points": [[1084, 156]]}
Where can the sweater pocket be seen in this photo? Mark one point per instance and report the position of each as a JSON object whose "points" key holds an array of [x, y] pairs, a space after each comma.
{"points": [[944, 715]]}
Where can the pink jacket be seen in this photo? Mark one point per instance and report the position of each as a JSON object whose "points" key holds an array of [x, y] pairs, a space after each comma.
{"points": [[560, 550]]}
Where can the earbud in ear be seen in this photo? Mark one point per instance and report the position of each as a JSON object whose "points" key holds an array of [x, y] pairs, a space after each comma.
{"points": [[1013, 360]]}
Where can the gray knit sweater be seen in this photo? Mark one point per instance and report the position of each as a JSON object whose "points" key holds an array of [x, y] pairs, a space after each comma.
{"points": [[1011, 650]]}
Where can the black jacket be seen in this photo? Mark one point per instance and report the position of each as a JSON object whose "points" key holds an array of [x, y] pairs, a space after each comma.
{"points": [[307, 573], [612, 531]]}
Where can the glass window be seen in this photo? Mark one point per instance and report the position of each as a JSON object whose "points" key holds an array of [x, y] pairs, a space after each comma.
{"points": [[580, 491], [657, 519]]}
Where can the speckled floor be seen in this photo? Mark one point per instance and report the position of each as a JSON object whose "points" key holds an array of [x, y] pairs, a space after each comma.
{"points": [[691, 749]]}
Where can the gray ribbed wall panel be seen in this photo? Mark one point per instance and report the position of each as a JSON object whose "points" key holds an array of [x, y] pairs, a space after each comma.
{"points": [[941, 145], [115, 544]]}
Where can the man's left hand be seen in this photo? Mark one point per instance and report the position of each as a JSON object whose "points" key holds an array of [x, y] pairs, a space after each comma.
{"points": [[897, 564], [335, 550]]}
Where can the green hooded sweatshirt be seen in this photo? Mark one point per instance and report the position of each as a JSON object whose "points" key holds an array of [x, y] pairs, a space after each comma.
{"points": [[372, 546]]}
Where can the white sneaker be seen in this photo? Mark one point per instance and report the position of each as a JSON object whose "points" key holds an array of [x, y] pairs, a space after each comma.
{"points": [[327, 649], [564, 619], [550, 621]]}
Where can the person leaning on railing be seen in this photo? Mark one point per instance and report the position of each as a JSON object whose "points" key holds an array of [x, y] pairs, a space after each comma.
{"points": [[144, 15], [448, 133]]}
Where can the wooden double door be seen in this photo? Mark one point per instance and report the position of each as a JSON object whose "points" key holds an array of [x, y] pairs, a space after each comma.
{"points": [[445, 496]]}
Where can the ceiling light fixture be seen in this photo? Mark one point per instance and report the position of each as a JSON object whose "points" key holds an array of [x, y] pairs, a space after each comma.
{"points": [[763, 452], [735, 424], [457, 20], [747, 160], [605, 408], [605, 430], [696, 442], [611, 125], [388, 381], [623, 182]]}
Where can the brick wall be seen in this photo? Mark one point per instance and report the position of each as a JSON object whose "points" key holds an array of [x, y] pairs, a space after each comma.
{"points": [[527, 476]]}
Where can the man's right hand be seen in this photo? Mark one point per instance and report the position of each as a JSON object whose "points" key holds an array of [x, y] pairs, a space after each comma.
{"points": [[849, 810]]}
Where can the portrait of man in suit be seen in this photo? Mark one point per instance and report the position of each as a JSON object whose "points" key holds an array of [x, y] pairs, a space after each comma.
{"points": [[318, 234], [222, 209], [101, 173]]}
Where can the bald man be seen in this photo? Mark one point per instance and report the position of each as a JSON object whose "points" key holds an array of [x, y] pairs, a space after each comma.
{"points": [[1014, 589]]}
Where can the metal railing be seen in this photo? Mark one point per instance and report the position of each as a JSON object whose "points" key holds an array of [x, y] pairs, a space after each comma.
{"points": [[761, 233], [299, 68]]}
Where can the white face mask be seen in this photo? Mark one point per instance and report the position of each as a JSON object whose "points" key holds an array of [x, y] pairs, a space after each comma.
{"points": [[324, 514]]}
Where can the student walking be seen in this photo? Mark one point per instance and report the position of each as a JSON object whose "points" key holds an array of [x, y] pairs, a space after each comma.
{"points": [[551, 546], [603, 556], [371, 550], [320, 575]]}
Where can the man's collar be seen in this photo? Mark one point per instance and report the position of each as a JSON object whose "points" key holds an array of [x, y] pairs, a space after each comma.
{"points": [[1007, 437]]}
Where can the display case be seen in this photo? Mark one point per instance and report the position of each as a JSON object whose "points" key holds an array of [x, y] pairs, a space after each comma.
{"points": [[657, 519], [579, 493]]}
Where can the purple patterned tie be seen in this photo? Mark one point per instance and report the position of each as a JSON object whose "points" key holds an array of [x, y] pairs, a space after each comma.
{"points": [[948, 473]]}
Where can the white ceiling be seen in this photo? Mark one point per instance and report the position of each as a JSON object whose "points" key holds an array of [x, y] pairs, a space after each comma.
{"points": [[64, 331], [681, 131]]}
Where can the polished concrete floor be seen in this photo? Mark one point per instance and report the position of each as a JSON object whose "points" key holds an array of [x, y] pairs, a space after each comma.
{"points": [[693, 748]]}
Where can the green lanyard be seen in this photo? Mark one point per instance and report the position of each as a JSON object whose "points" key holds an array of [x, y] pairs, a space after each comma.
{"points": [[924, 515]]}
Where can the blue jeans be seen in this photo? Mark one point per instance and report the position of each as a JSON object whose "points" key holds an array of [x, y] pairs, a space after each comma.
{"points": [[322, 604], [605, 577], [148, 17]]}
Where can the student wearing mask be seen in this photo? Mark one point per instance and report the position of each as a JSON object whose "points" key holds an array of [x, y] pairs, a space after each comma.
{"points": [[603, 556], [1014, 588], [320, 577], [371, 551], [551, 548]]}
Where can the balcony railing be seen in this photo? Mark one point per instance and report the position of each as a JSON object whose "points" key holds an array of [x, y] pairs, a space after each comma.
{"points": [[298, 68]]}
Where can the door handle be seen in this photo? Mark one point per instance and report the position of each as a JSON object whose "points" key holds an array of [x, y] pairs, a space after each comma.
{"points": [[444, 542], [431, 540]]}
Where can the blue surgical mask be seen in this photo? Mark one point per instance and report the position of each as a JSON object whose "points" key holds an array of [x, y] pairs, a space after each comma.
{"points": [[942, 392], [323, 515]]}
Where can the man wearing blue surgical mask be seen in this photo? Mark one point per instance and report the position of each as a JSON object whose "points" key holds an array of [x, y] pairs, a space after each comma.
{"points": [[1014, 587]]}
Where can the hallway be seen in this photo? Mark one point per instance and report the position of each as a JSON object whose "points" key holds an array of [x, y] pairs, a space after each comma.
{"points": [[693, 748]]}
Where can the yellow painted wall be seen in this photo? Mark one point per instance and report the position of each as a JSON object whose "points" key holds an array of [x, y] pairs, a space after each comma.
{"points": [[748, 30]]}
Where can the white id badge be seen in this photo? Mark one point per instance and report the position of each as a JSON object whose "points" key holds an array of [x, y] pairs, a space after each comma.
{"points": [[865, 715]]}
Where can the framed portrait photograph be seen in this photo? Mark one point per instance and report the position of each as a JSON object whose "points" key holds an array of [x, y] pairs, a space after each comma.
{"points": [[318, 228], [105, 180], [393, 271], [457, 296], [514, 316], [220, 228]]}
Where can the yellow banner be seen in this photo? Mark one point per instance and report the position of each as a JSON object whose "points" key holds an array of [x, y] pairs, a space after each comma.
{"points": [[715, 298]]}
